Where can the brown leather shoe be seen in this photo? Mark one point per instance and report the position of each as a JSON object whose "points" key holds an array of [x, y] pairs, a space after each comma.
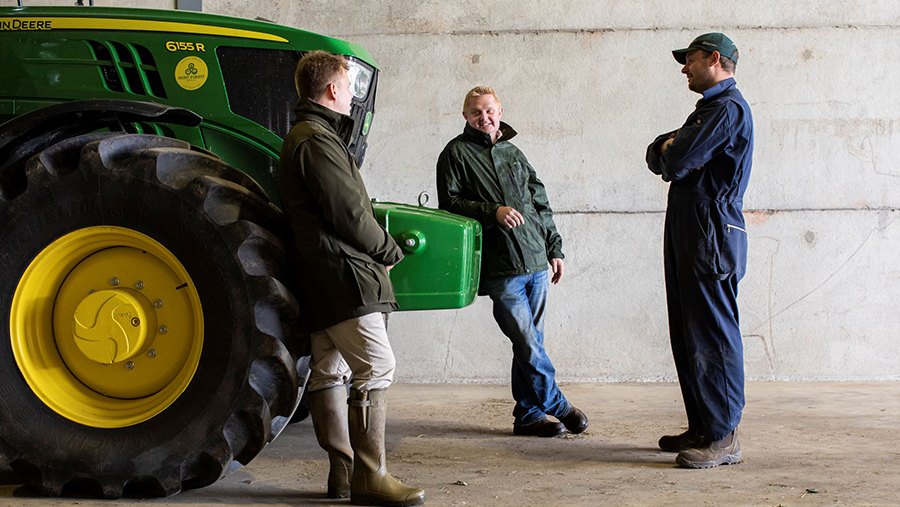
{"points": [[575, 421], [541, 428], [712, 454], [682, 442]]}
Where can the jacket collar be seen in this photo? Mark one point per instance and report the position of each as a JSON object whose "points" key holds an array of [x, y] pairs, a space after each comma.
{"points": [[341, 124], [483, 138], [718, 88]]}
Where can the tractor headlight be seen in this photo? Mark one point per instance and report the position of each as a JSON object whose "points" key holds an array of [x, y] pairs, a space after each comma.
{"points": [[360, 78]]}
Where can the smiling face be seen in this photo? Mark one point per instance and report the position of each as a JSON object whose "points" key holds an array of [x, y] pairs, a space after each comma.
{"points": [[699, 67], [482, 112]]}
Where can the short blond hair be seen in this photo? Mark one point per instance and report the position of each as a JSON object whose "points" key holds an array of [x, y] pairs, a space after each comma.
{"points": [[479, 91], [315, 71]]}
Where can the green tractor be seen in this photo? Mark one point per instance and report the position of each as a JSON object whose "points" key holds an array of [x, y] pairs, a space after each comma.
{"points": [[149, 341]]}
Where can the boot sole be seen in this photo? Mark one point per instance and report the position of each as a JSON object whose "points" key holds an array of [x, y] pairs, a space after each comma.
{"points": [[336, 494], [729, 459], [358, 500], [524, 431]]}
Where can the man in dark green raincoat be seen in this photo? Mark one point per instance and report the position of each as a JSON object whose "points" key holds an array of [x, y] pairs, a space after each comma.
{"points": [[341, 256], [481, 175]]}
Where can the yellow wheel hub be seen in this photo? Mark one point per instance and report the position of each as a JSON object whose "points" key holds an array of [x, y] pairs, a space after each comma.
{"points": [[107, 327], [112, 326]]}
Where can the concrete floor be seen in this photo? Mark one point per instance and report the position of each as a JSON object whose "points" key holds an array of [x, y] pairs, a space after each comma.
{"points": [[805, 444]]}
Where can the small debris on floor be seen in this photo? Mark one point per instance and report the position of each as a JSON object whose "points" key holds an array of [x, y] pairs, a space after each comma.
{"points": [[809, 491]]}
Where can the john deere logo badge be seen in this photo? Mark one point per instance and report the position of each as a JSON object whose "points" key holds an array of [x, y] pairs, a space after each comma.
{"points": [[367, 123], [191, 73]]}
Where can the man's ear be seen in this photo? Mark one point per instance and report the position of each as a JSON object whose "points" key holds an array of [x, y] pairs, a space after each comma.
{"points": [[714, 58], [332, 91]]}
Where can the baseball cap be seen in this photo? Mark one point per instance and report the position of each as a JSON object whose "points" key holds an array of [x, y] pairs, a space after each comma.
{"points": [[709, 42]]}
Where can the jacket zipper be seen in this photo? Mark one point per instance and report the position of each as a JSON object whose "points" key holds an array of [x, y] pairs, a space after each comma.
{"points": [[729, 227]]}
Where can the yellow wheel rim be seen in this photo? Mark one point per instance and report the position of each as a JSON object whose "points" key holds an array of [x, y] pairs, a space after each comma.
{"points": [[107, 327]]}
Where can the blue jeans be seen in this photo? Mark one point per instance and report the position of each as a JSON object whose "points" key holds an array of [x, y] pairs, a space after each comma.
{"points": [[519, 303]]}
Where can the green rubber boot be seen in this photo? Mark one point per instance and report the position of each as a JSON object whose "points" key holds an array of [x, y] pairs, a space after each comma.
{"points": [[328, 408], [370, 483]]}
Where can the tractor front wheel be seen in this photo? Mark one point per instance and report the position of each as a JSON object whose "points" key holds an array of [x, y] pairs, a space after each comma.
{"points": [[149, 333]]}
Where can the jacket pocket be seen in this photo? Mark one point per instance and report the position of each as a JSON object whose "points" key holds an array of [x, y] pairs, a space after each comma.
{"points": [[371, 278], [517, 176]]}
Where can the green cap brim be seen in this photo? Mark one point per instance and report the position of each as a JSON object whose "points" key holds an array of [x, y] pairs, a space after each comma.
{"points": [[681, 55]]}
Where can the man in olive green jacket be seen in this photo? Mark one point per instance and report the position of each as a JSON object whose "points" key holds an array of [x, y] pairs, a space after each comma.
{"points": [[480, 174], [340, 256]]}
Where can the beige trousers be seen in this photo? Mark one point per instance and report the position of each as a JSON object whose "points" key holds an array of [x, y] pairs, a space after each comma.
{"points": [[357, 347]]}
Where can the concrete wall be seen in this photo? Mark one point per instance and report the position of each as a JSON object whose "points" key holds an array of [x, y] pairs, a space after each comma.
{"points": [[588, 84]]}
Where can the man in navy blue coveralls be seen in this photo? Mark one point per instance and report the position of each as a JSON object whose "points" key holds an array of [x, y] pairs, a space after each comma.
{"points": [[708, 163]]}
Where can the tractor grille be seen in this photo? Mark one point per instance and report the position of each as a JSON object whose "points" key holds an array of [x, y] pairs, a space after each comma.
{"points": [[128, 68]]}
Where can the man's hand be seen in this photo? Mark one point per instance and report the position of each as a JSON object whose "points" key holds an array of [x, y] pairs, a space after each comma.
{"points": [[557, 266], [509, 217], [388, 268], [665, 145]]}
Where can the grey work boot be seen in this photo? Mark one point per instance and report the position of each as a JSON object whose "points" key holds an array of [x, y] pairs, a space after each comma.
{"points": [[328, 408], [370, 483], [677, 443], [711, 454]]}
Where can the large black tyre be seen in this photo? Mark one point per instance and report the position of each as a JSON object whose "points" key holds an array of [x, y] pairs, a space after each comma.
{"points": [[216, 221]]}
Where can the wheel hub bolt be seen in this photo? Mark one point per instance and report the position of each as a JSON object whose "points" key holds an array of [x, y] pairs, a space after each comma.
{"points": [[135, 321], [139, 285], [129, 365], [163, 330], [158, 303], [151, 353], [114, 281]]}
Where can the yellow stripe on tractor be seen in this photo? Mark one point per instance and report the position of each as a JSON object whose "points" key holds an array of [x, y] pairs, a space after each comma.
{"points": [[134, 25]]}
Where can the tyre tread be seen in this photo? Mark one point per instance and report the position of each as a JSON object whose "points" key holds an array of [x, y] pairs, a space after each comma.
{"points": [[242, 212]]}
